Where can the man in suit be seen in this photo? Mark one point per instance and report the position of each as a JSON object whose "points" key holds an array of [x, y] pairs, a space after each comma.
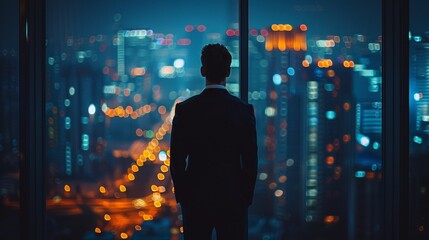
{"points": [[214, 155]]}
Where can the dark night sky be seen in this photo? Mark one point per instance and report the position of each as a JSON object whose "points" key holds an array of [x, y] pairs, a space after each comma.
{"points": [[87, 17], [168, 16]]}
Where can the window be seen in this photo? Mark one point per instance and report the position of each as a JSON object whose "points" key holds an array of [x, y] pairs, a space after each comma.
{"points": [[114, 72], [315, 81], [419, 121]]}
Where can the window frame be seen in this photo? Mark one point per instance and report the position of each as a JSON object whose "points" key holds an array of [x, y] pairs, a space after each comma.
{"points": [[395, 160]]}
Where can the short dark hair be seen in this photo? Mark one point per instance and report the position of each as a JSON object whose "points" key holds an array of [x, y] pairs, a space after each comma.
{"points": [[216, 61]]}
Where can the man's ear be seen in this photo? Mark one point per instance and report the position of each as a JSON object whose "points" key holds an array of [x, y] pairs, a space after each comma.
{"points": [[203, 73], [228, 72]]}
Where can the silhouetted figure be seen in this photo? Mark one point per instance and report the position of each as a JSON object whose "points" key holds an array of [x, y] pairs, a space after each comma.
{"points": [[214, 155]]}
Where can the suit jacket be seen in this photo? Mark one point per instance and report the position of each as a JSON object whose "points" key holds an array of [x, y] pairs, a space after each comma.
{"points": [[213, 154]]}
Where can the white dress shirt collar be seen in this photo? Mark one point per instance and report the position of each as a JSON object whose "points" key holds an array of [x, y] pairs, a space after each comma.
{"points": [[219, 86]]}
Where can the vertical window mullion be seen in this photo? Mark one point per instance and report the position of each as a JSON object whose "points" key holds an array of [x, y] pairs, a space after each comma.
{"points": [[395, 118], [32, 122], [244, 48]]}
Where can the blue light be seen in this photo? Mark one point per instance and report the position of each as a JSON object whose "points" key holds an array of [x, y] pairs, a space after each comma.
{"points": [[363, 140], [417, 140], [318, 72], [67, 122], [277, 79], [417, 96], [330, 115], [67, 102], [376, 145], [85, 142], [374, 167], [360, 174], [329, 87], [291, 71], [85, 120]]}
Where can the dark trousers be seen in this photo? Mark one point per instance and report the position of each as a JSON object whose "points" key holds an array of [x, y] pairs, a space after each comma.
{"points": [[199, 220]]}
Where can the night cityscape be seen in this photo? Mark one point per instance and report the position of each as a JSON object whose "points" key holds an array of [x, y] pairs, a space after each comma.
{"points": [[111, 89]]}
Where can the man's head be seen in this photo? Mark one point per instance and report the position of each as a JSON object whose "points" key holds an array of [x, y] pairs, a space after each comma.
{"points": [[216, 63]]}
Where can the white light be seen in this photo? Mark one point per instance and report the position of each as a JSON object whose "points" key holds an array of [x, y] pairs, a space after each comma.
{"points": [[363, 140], [277, 79], [416, 96], [91, 109], [179, 63], [71, 91], [263, 176], [270, 112], [162, 156], [104, 107]]}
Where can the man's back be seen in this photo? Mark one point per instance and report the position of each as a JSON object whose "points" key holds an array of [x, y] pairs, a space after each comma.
{"points": [[217, 129], [213, 155]]}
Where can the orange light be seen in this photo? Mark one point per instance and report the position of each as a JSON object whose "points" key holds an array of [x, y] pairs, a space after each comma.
{"points": [[346, 106], [303, 27], [282, 179], [331, 73], [154, 188], [346, 138], [131, 177], [107, 217], [161, 189], [139, 132], [181, 229], [97, 230], [346, 64], [67, 188], [370, 175], [352, 64], [102, 189], [164, 168], [272, 185], [161, 176], [124, 236], [275, 27], [122, 188], [305, 63], [129, 109], [329, 148], [330, 160], [134, 168], [138, 228], [157, 204], [273, 95], [288, 27], [329, 219], [138, 71], [162, 110]]}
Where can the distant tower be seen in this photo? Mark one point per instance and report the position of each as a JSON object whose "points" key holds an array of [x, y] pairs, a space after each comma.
{"points": [[286, 47]]}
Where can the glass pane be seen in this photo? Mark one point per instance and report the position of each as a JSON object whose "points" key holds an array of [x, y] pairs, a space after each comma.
{"points": [[114, 71], [419, 119], [9, 120], [315, 81]]}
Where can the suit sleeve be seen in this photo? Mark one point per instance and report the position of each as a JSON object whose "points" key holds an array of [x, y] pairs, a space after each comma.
{"points": [[250, 154], [178, 154]]}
